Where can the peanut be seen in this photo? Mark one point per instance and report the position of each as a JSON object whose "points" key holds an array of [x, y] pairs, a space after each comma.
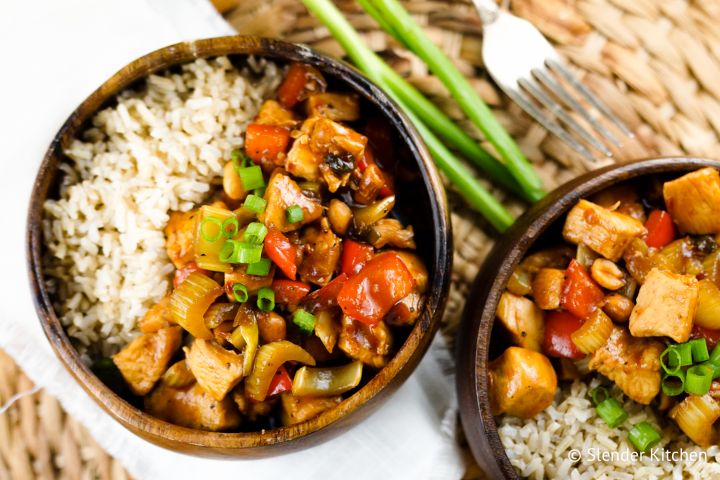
{"points": [[607, 274]]}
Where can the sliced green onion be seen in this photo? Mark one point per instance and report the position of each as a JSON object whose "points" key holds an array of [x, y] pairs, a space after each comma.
{"points": [[684, 351], [261, 268], [255, 203], [208, 236], [235, 155], [715, 368], [266, 299], [644, 436], [673, 384], [251, 177], [255, 233], [294, 214], [304, 320], [248, 253], [230, 227], [611, 412], [699, 350], [240, 293], [698, 380], [673, 358], [598, 395], [228, 252], [715, 355], [260, 192]]}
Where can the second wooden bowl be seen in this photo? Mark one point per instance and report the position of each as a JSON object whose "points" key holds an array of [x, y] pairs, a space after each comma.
{"points": [[421, 201], [475, 348]]}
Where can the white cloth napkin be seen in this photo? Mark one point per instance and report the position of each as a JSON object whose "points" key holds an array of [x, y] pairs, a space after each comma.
{"points": [[56, 53]]}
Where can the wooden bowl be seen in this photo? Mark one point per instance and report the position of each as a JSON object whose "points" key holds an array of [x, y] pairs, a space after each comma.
{"points": [[421, 201], [546, 217]]}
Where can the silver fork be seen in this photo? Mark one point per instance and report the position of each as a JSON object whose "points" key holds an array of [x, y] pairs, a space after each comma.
{"points": [[527, 68]]}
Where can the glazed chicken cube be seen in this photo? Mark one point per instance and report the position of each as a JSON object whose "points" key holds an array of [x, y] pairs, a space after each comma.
{"points": [[322, 252], [327, 136], [192, 407], [622, 199], [272, 113], [522, 383], [547, 288], [143, 361], [157, 317], [523, 319], [334, 106], [369, 344], [283, 192], [665, 306], [406, 311], [604, 231], [180, 235], [298, 409], [253, 283], [693, 201], [302, 161], [632, 363], [216, 369]]}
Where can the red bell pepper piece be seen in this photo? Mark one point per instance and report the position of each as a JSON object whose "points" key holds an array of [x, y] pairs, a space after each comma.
{"points": [[371, 293], [580, 295], [281, 382], [558, 328], [182, 273], [326, 297], [295, 86], [712, 337], [661, 229], [266, 141], [354, 256], [289, 292], [281, 252]]}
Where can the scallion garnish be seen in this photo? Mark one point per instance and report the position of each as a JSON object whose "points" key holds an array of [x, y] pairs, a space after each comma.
{"points": [[715, 355], [684, 351], [699, 350], [266, 299], [673, 384], [230, 227], [294, 214], [228, 252], [598, 394], [698, 379], [251, 177], [206, 224], [611, 412], [248, 253], [644, 436], [255, 233], [240, 293], [670, 360], [255, 203], [261, 268], [304, 320]]}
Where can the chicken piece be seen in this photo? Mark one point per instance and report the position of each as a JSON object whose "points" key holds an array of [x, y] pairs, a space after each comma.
{"points": [[327, 136], [322, 252], [179, 237], [336, 170], [302, 161], [389, 231], [547, 288], [522, 383], [406, 311], [369, 344], [251, 409], [632, 363], [416, 267], [157, 317], [283, 192], [604, 231], [693, 200], [523, 319], [272, 113], [216, 369], [339, 107], [371, 182], [300, 409], [143, 361], [665, 306], [622, 199], [192, 407], [253, 283]]}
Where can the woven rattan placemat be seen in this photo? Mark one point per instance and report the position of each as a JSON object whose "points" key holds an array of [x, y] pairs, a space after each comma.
{"points": [[655, 62]]}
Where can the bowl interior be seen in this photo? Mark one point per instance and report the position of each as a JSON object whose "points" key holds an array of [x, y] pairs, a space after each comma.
{"points": [[539, 227], [420, 202]]}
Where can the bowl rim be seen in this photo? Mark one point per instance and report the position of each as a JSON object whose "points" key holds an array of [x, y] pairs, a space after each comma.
{"points": [[328, 423], [479, 313]]}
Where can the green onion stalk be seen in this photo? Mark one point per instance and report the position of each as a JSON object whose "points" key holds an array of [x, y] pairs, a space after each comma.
{"points": [[401, 24], [383, 75]]}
